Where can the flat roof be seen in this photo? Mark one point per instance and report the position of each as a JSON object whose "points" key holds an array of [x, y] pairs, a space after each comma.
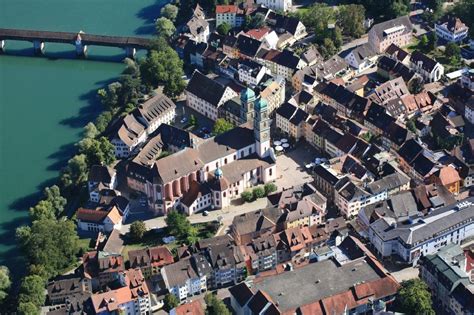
{"points": [[314, 282]]}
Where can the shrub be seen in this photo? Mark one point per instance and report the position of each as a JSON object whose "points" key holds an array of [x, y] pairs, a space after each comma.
{"points": [[269, 188], [247, 196], [258, 192]]}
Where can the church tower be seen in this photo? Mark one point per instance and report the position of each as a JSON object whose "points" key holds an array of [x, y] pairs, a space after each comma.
{"points": [[261, 127], [247, 100]]}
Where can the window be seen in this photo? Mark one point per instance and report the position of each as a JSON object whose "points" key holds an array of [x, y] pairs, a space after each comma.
{"points": [[217, 164], [270, 172], [225, 161], [224, 194]]}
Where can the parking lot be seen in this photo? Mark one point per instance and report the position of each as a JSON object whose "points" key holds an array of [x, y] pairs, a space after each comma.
{"points": [[291, 166]]}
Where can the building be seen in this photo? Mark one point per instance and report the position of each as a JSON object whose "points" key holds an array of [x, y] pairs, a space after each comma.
{"points": [[361, 57], [100, 177], [290, 120], [251, 225], [428, 68], [262, 253], [150, 260], [101, 267], [278, 5], [134, 128], [187, 277], [325, 287], [349, 198], [206, 95], [397, 31], [451, 29], [132, 297], [424, 236], [60, 289], [197, 27], [99, 220], [250, 72], [218, 169], [467, 79], [228, 264], [281, 63], [192, 308], [230, 14], [449, 276], [449, 178]]}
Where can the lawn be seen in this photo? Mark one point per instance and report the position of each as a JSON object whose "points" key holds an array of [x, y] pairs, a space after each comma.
{"points": [[155, 238]]}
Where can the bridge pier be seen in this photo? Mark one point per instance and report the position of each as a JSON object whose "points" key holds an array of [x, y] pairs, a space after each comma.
{"points": [[2, 45], [81, 50], [38, 47], [130, 52]]}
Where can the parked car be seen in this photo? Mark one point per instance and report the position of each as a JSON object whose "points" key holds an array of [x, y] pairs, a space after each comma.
{"points": [[205, 213], [183, 120]]}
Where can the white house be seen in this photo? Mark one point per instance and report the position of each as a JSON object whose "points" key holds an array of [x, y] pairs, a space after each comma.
{"points": [[277, 5], [99, 220], [187, 277], [141, 122], [251, 72], [451, 29], [100, 177], [230, 14], [206, 95], [362, 57], [467, 79], [349, 198], [428, 68], [425, 235]]}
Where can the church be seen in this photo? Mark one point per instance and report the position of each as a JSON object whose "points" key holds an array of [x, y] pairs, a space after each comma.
{"points": [[212, 172]]}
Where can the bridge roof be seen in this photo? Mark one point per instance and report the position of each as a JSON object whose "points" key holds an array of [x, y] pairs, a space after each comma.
{"points": [[90, 39]]}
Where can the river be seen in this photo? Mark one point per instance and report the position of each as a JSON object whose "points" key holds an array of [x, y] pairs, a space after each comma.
{"points": [[45, 102]]}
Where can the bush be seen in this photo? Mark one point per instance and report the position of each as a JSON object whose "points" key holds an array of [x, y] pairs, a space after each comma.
{"points": [[170, 302], [247, 196], [258, 192], [269, 188], [137, 230]]}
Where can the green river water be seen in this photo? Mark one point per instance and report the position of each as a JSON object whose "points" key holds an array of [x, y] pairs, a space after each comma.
{"points": [[45, 102]]}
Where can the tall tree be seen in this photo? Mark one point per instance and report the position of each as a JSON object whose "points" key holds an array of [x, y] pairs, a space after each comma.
{"points": [[178, 224], [5, 282], [43, 210], [165, 27], [170, 12], [98, 151], [130, 92], [214, 306], [224, 28], [27, 308], [52, 244], [137, 230], [415, 298], [110, 95], [221, 125], [58, 202], [170, 301], [328, 49], [32, 291], [351, 19], [90, 130], [75, 173], [317, 18]]}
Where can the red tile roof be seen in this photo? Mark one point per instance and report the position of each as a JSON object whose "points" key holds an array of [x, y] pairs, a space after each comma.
{"points": [[90, 215], [193, 308], [258, 33], [226, 9]]}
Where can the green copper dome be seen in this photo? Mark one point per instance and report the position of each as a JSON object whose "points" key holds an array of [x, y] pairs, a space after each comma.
{"points": [[261, 104], [247, 95]]}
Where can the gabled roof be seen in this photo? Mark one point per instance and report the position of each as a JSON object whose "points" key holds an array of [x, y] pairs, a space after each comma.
{"points": [[205, 88], [247, 45], [428, 64], [396, 52], [381, 30], [410, 150], [101, 174]]}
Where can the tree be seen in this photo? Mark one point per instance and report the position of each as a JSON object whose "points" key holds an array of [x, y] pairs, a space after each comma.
{"points": [[399, 8], [247, 196], [424, 41], [214, 306], [90, 130], [269, 188], [131, 67], [97, 151], [103, 120], [131, 89], [5, 282], [165, 27], [416, 85], [410, 124], [75, 173], [32, 290], [224, 28], [351, 19], [109, 96], [50, 243], [415, 298], [192, 120], [317, 18], [257, 21], [170, 12], [464, 10], [328, 48], [453, 51], [42, 210], [178, 225], [53, 196], [27, 308], [258, 192], [137, 230], [337, 37], [221, 125], [170, 301], [432, 41], [163, 67]]}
